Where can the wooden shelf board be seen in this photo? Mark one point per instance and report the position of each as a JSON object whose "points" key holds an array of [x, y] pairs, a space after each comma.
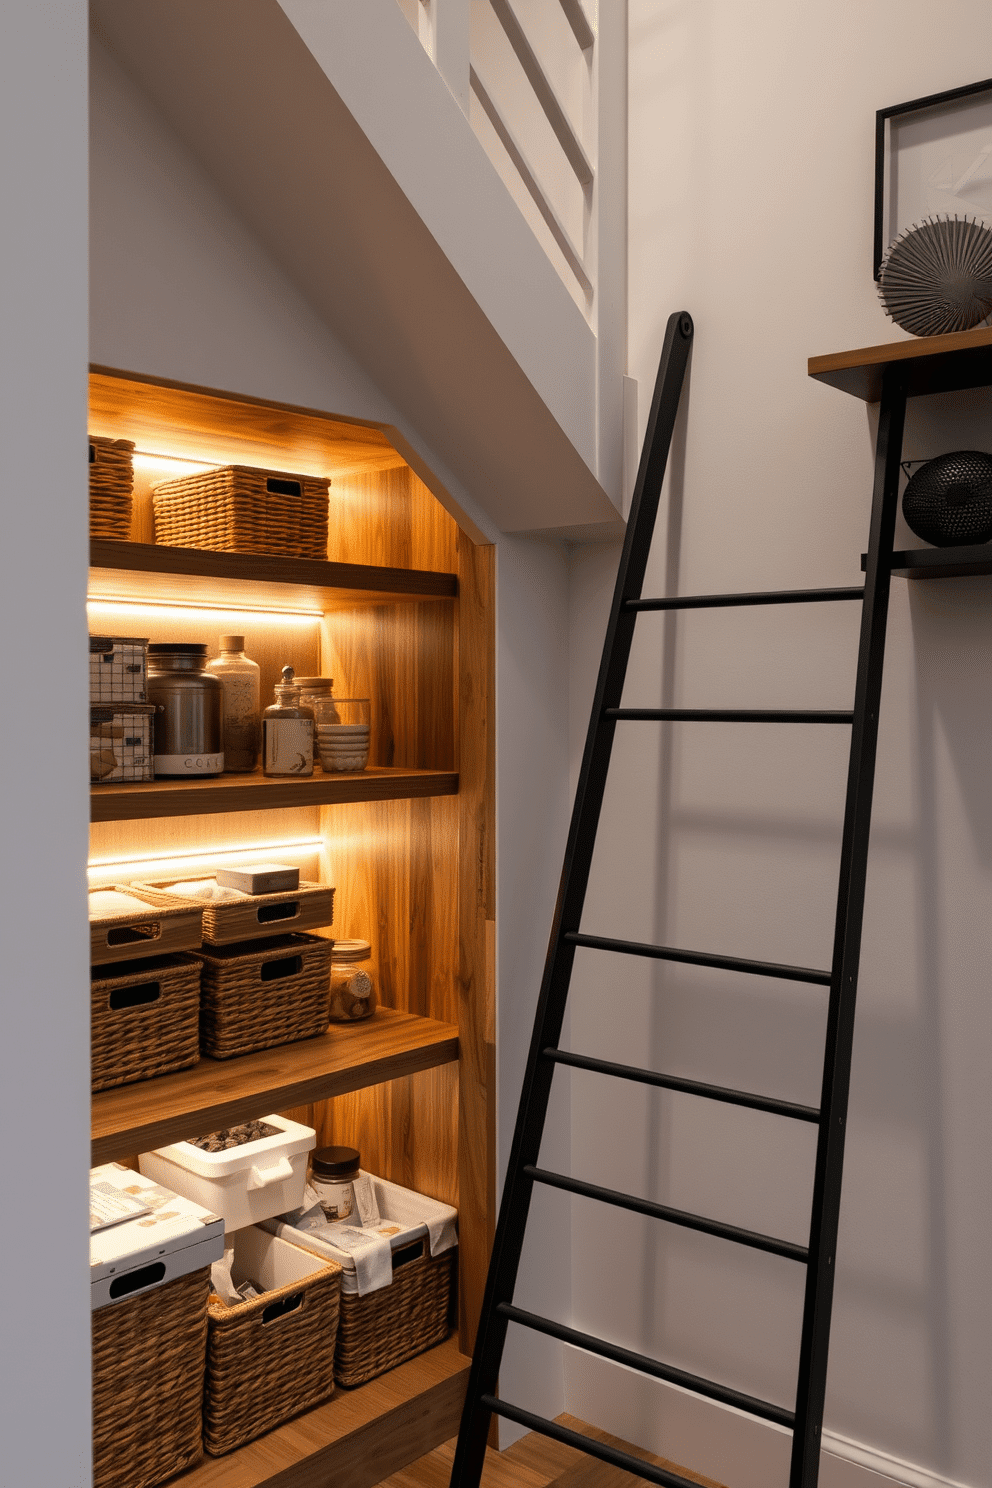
{"points": [[940, 563], [186, 797], [358, 1438], [933, 364], [196, 423], [180, 575], [217, 1092]]}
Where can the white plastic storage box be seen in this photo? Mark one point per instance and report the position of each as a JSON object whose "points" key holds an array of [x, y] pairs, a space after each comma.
{"points": [[397, 1282], [149, 1284], [244, 1184]]}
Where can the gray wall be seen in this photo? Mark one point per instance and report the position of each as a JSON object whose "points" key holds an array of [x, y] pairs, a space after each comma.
{"points": [[751, 140], [44, 1075]]}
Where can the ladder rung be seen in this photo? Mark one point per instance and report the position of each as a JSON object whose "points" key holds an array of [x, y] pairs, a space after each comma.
{"points": [[681, 1217], [644, 1365], [727, 601], [686, 1087], [727, 715], [699, 958], [587, 1444]]}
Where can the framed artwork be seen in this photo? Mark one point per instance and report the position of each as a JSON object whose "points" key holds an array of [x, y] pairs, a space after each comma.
{"points": [[933, 157]]}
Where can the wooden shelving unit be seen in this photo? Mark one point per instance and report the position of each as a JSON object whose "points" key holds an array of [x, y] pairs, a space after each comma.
{"points": [[154, 798], [219, 1092], [403, 614], [358, 1438]]}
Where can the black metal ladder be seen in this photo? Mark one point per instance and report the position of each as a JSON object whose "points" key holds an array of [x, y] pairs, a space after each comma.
{"points": [[498, 1311]]}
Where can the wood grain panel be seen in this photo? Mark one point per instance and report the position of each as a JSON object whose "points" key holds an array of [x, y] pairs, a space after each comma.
{"points": [[175, 836], [358, 1437], [476, 914], [401, 657], [196, 423], [389, 518]]}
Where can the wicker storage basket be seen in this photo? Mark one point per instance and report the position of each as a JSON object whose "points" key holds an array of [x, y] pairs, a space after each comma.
{"points": [[240, 509], [148, 1361], [264, 992], [117, 932], [407, 1317], [308, 907], [144, 1019], [118, 668], [270, 1358], [121, 743], [111, 480]]}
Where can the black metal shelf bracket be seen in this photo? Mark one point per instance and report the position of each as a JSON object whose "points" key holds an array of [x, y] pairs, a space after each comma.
{"points": [[545, 1056]]}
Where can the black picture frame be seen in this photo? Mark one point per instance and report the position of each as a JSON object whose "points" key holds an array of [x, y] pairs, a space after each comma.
{"points": [[968, 93]]}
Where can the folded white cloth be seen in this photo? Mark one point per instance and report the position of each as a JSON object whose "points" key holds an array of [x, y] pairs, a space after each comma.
{"points": [[207, 889]]}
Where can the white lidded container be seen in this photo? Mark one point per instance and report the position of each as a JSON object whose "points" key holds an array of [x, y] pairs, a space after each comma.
{"points": [[168, 1238], [244, 1184]]}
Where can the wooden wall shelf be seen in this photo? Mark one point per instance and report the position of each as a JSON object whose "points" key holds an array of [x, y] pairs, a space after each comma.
{"points": [[933, 364], [358, 1438], [940, 563], [216, 1092], [309, 582], [157, 798]]}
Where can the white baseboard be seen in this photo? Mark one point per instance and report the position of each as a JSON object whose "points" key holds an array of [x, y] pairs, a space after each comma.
{"points": [[717, 1441], [884, 1465]]}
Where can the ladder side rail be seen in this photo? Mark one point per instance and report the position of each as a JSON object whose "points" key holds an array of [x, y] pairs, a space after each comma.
{"points": [[536, 1090], [825, 1209]]}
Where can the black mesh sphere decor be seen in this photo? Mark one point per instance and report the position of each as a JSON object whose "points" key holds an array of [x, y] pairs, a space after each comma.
{"points": [[937, 276], [948, 501]]}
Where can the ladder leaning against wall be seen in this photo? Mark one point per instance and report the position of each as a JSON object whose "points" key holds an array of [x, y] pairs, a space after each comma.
{"points": [[841, 980]]}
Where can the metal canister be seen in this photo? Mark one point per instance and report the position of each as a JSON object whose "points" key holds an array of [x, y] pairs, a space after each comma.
{"points": [[189, 702]]}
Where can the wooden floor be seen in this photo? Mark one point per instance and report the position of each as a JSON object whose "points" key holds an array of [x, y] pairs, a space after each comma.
{"points": [[537, 1462]]}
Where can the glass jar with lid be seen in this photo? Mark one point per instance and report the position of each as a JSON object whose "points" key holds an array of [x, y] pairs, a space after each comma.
{"points": [[353, 995], [314, 690], [333, 1171], [287, 731]]}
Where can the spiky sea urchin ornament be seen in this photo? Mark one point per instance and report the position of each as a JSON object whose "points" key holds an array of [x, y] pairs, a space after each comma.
{"points": [[937, 276]]}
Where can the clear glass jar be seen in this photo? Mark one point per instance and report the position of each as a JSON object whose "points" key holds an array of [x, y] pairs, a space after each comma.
{"points": [[353, 995], [287, 731], [343, 732], [240, 677], [333, 1171], [314, 690]]}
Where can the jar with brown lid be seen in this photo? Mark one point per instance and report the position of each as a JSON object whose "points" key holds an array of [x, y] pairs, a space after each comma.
{"points": [[333, 1171], [353, 994]]}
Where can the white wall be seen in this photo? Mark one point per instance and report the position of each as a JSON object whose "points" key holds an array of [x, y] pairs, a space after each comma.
{"points": [[44, 1084], [751, 172], [181, 289]]}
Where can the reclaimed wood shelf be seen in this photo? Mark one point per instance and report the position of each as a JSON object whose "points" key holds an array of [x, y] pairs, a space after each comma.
{"points": [[933, 364], [218, 1092], [940, 563], [141, 800], [359, 1437], [181, 575]]}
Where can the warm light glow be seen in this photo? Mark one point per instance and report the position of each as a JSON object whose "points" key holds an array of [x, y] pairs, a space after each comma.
{"points": [[161, 865], [171, 466], [206, 612]]}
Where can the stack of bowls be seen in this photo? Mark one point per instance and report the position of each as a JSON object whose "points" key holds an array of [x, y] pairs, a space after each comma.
{"points": [[344, 742]]}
